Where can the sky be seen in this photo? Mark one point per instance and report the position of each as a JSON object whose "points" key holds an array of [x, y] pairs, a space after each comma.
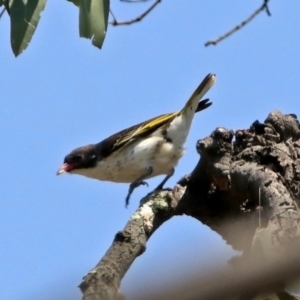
{"points": [[62, 93]]}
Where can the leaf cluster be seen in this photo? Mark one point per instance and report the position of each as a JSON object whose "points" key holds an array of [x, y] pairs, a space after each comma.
{"points": [[25, 15]]}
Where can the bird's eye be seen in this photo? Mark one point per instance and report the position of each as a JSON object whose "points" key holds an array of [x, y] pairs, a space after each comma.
{"points": [[93, 156]]}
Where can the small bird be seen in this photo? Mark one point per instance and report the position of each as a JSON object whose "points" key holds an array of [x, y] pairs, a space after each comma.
{"points": [[143, 151]]}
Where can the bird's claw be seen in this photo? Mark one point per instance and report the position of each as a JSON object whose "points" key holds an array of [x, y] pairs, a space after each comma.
{"points": [[142, 182], [133, 186]]}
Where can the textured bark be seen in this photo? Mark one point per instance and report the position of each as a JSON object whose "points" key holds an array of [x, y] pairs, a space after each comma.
{"points": [[241, 189], [104, 280]]}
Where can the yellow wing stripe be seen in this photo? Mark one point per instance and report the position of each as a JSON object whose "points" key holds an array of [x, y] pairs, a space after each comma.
{"points": [[140, 129], [145, 127]]}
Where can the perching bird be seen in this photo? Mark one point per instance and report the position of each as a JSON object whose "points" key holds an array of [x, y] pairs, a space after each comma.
{"points": [[142, 151]]}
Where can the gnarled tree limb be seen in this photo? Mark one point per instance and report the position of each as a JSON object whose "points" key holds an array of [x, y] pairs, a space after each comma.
{"points": [[251, 184]]}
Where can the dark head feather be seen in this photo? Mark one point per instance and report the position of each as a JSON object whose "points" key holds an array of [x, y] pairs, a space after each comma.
{"points": [[83, 157]]}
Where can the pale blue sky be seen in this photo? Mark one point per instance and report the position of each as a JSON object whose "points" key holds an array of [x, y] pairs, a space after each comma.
{"points": [[62, 93]]}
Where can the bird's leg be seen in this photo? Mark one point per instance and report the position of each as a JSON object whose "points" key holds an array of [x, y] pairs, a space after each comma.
{"points": [[161, 185], [137, 183]]}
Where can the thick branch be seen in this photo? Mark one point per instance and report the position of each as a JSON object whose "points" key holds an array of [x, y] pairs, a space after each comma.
{"points": [[255, 178], [104, 280], [256, 171]]}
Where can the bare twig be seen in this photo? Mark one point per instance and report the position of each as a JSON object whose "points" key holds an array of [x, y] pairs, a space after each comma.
{"points": [[112, 14], [264, 6], [2, 12], [134, 1], [115, 22]]}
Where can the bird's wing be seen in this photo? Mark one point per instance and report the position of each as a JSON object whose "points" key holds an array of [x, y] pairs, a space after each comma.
{"points": [[148, 127], [119, 139], [151, 125], [132, 133]]}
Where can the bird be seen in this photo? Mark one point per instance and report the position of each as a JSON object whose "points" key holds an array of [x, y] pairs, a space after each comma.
{"points": [[142, 151]]}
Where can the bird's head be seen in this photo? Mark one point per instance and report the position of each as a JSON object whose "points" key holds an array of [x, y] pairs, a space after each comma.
{"points": [[80, 159]]}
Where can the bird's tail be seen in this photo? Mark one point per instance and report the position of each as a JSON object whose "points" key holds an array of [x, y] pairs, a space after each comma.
{"points": [[192, 104], [180, 125]]}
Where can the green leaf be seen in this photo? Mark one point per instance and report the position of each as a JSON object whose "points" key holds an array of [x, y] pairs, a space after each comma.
{"points": [[93, 19], [1, 2], [24, 17], [76, 2]]}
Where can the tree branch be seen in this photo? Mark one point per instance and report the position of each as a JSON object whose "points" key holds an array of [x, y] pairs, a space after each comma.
{"points": [[115, 22], [263, 7], [103, 281], [134, 1], [2, 12], [235, 188]]}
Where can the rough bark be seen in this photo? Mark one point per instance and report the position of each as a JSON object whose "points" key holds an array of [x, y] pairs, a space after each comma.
{"points": [[251, 184], [104, 280]]}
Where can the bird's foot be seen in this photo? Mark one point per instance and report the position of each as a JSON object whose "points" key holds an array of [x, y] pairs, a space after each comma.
{"points": [[132, 187], [161, 185], [142, 182]]}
